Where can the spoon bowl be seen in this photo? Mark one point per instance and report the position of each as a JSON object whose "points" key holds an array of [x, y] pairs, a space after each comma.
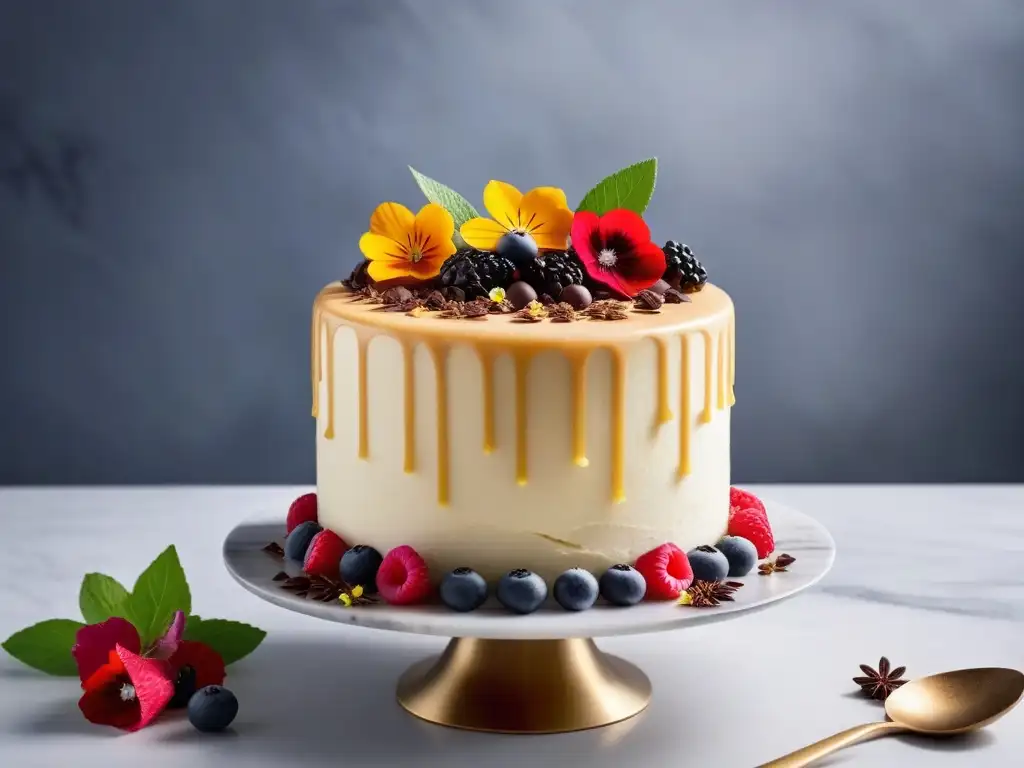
{"points": [[955, 702], [940, 705]]}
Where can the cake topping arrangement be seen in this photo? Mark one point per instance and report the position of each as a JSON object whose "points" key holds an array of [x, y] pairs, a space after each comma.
{"points": [[532, 247]]}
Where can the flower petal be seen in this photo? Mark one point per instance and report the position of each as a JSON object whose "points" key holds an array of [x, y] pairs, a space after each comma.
{"points": [[102, 703], [383, 271], [392, 220], [381, 248], [433, 227], [546, 216], [503, 201], [640, 268], [207, 663], [165, 647], [94, 643], [154, 685], [483, 234], [626, 223]]}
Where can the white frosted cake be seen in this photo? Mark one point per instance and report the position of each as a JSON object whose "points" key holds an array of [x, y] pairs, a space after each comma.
{"points": [[483, 421]]}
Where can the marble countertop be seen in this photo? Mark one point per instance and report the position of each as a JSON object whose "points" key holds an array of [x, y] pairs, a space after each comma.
{"points": [[927, 575]]}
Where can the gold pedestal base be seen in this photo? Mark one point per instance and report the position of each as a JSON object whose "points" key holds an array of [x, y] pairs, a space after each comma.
{"points": [[524, 686]]}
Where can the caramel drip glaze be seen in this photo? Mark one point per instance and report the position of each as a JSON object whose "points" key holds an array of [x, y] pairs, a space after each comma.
{"points": [[716, 329]]}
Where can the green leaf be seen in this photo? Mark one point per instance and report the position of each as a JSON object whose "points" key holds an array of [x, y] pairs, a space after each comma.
{"points": [[630, 188], [101, 597], [233, 640], [158, 593], [46, 646], [436, 192]]}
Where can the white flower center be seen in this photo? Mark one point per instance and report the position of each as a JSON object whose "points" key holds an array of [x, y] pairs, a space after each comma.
{"points": [[607, 258], [127, 692]]}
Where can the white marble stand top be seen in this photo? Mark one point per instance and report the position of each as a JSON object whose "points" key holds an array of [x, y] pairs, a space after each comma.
{"points": [[930, 576]]}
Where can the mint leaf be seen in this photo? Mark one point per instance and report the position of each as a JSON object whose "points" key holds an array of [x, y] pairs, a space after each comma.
{"points": [[46, 646], [436, 192], [233, 640], [160, 591], [101, 597], [630, 188]]}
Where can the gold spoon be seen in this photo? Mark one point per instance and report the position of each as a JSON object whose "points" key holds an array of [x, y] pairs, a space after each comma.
{"points": [[940, 705]]}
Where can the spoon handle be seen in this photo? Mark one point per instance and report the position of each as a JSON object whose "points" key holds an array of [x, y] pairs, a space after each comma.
{"points": [[820, 749]]}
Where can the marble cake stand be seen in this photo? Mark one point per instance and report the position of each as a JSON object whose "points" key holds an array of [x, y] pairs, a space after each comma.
{"points": [[540, 673]]}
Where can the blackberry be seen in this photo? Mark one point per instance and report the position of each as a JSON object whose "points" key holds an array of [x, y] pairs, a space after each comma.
{"points": [[553, 271], [682, 270], [476, 272]]}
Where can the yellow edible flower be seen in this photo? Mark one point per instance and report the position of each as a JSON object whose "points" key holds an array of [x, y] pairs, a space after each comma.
{"points": [[407, 248], [543, 213], [346, 599], [357, 591]]}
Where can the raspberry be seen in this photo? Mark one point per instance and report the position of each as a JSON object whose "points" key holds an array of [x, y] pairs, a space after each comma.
{"points": [[666, 570], [303, 509], [324, 554], [752, 525], [403, 577], [740, 499]]}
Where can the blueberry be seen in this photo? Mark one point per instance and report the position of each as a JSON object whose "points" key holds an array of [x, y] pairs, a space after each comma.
{"points": [[359, 566], [741, 554], [576, 589], [623, 585], [184, 687], [708, 564], [298, 540], [518, 247], [463, 590], [212, 708], [522, 591]]}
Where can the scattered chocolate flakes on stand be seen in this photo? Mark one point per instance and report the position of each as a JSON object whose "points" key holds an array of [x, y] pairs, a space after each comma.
{"points": [[323, 590], [275, 549], [708, 594], [778, 565], [879, 683]]}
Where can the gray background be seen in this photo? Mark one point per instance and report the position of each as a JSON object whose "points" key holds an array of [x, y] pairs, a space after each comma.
{"points": [[178, 179]]}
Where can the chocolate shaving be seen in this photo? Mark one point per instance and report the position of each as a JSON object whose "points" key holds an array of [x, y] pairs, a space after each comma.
{"points": [[675, 296], [435, 301], [396, 296], [359, 278], [607, 309], [648, 301], [280, 576], [465, 310], [562, 313], [533, 312], [503, 307], [453, 293], [275, 549], [546, 300]]}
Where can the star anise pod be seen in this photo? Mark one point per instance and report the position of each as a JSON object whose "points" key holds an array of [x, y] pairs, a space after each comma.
{"points": [[879, 683], [275, 549], [778, 565], [708, 594]]}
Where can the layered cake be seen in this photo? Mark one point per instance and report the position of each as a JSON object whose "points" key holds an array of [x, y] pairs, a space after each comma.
{"points": [[538, 388]]}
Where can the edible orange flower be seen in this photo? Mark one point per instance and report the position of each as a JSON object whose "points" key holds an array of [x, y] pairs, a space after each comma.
{"points": [[407, 248], [542, 213]]}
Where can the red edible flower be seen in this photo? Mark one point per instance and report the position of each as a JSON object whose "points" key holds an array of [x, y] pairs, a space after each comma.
{"points": [[207, 663], [617, 251], [128, 691]]}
